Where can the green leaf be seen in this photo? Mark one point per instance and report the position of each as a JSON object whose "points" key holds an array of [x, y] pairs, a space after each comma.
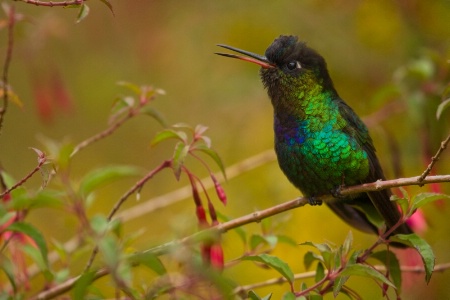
{"points": [[34, 234], [337, 258], [99, 224], [131, 86], [325, 251], [60, 250], [354, 257], [82, 285], [287, 240], [423, 198], [321, 247], [389, 259], [61, 275], [64, 155], [120, 106], [442, 106], [311, 257], [179, 155], [106, 175], [7, 178], [8, 268], [6, 216], [303, 286], [83, 13], [267, 297], [48, 198], [149, 260], [213, 154], [44, 198], [365, 271], [403, 201], [12, 97], [184, 126], [168, 134], [37, 257], [256, 240], [273, 262], [109, 247], [338, 284], [320, 272], [347, 246], [288, 296], [252, 295], [424, 249], [155, 114]]}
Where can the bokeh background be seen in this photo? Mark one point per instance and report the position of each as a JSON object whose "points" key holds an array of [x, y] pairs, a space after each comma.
{"points": [[378, 53]]}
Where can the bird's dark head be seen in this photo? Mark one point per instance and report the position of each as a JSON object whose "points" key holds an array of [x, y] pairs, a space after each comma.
{"points": [[288, 67]]}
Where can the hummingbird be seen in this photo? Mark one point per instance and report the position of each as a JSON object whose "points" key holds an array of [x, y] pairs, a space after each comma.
{"points": [[320, 142]]}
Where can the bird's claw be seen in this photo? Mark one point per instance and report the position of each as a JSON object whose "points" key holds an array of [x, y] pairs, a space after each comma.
{"points": [[336, 192], [314, 201]]}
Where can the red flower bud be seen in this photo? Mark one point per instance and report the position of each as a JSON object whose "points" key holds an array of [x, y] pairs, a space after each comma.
{"points": [[212, 212], [219, 190], [6, 197], [201, 217], [216, 256]]}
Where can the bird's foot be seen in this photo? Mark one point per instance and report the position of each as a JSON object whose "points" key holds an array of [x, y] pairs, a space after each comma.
{"points": [[336, 192], [314, 201]]}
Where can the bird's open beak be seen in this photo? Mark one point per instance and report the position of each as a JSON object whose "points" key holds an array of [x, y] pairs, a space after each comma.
{"points": [[251, 57]]}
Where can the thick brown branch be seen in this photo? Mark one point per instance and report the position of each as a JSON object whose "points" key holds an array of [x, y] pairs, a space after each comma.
{"points": [[257, 216]]}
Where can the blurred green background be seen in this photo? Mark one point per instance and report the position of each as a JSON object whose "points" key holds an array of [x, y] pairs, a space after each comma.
{"points": [[368, 45]]}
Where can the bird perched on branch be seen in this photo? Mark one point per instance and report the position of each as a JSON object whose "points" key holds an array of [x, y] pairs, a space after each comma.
{"points": [[320, 142]]}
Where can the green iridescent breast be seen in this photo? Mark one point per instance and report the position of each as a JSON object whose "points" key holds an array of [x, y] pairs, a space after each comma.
{"points": [[315, 152]]}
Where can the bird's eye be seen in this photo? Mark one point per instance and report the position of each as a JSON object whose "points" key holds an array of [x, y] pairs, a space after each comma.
{"points": [[293, 65]]}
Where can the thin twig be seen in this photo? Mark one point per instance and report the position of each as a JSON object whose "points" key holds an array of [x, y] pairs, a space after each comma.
{"points": [[168, 199], [178, 195], [67, 285], [242, 290], [434, 159], [9, 51], [256, 217], [124, 197], [108, 131], [42, 159], [52, 3]]}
